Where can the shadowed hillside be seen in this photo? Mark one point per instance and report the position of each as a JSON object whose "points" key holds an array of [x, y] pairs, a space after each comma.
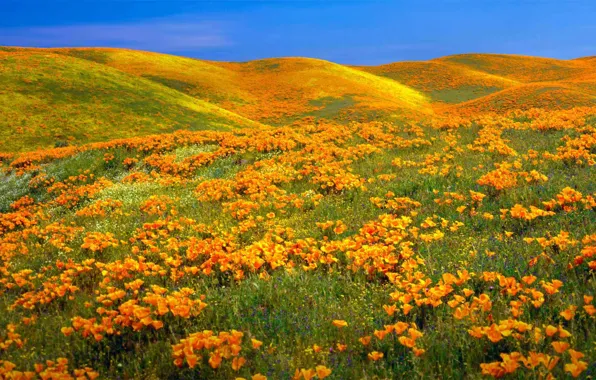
{"points": [[441, 81], [550, 95], [492, 83], [520, 68]]}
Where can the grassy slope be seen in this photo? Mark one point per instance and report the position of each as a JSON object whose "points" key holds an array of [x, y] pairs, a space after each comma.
{"points": [[47, 98], [544, 82], [552, 95], [441, 81], [521, 68], [274, 90], [299, 84]]}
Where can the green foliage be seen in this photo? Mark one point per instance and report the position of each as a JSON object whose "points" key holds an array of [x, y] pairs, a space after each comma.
{"points": [[462, 94]]}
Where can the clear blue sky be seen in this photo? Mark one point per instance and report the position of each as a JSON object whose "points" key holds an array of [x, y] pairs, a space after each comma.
{"points": [[349, 31]]}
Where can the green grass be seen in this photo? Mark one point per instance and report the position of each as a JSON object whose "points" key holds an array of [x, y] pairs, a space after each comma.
{"points": [[462, 94], [51, 99], [92, 55]]}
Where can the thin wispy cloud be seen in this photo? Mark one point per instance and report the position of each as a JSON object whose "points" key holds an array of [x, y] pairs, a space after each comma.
{"points": [[172, 34]]}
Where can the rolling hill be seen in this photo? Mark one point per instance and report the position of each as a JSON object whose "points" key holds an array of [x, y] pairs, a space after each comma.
{"points": [[441, 81], [495, 82], [56, 97], [48, 98], [274, 90]]}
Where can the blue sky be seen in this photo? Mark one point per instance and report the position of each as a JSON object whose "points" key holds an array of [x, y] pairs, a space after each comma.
{"points": [[351, 32]]}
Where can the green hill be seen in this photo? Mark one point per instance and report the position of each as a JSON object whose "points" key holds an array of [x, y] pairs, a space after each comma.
{"points": [[49, 99]]}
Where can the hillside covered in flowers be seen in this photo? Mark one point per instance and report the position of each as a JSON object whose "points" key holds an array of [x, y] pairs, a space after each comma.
{"points": [[58, 97], [296, 219]]}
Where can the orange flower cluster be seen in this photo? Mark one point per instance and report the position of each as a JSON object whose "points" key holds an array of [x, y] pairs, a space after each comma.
{"points": [[319, 372], [568, 200], [577, 150], [98, 241], [11, 338], [225, 345], [157, 205], [168, 164], [587, 253], [490, 140], [396, 204], [51, 369], [101, 208], [500, 179], [520, 212], [44, 290], [136, 313]]}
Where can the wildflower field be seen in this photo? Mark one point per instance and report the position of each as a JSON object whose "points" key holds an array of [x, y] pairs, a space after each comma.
{"points": [[454, 240]]}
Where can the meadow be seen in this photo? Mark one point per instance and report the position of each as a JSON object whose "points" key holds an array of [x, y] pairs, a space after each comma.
{"points": [[424, 220]]}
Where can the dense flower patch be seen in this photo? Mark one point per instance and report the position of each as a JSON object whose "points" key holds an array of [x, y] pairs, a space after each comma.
{"points": [[475, 230]]}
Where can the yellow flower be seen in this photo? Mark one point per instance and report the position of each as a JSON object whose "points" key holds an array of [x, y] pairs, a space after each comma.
{"points": [[568, 313], [375, 355], [365, 340], [67, 330], [339, 323], [560, 347], [237, 363], [308, 374], [322, 371]]}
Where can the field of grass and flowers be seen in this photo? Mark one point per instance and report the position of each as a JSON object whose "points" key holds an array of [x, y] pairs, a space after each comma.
{"points": [[460, 247]]}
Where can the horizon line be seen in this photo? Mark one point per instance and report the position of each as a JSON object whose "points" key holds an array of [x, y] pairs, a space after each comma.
{"points": [[287, 57]]}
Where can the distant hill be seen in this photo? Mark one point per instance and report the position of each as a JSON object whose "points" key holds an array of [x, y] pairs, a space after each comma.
{"points": [[497, 82], [442, 81], [65, 96]]}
